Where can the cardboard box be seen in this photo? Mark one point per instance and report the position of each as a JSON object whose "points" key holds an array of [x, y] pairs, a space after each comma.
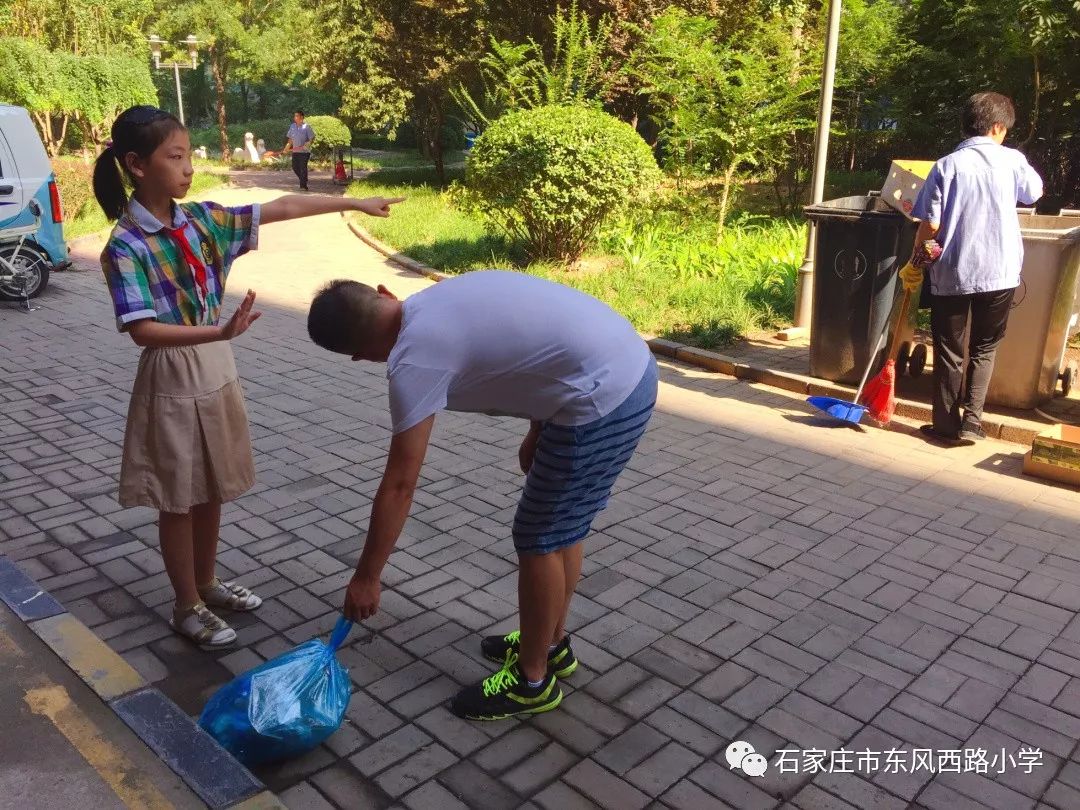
{"points": [[1055, 454], [1060, 446], [905, 180]]}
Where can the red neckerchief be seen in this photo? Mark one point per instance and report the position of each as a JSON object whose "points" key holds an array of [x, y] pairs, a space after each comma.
{"points": [[197, 268]]}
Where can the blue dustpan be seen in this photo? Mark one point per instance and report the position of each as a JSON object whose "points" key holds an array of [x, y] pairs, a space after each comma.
{"points": [[839, 409]]}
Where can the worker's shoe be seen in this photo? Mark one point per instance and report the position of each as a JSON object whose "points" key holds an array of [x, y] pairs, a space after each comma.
{"points": [[507, 694], [930, 432], [561, 660], [971, 430]]}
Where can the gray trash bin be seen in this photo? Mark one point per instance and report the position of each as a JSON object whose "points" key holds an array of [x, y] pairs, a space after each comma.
{"points": [[1046, 311]]}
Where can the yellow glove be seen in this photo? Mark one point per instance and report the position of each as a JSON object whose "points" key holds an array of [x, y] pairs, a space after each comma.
{"points": [[911, 277]]}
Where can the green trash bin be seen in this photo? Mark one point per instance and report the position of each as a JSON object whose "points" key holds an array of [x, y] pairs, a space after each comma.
{"points": [[861, 243]]}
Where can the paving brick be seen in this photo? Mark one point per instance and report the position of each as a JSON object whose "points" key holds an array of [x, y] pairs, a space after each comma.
{"points": [[645, 697], [433, 796], [724, 682], [477, 789], [756, 698], [539, 768], [858, 792], [829, 682], [304, 796], [417, 769], [346, 789], [630, 748], [595, 714], [510, 749], [686, 731], [605, 789], [866, 698], [389, 750], [686, 795], [560, 796], [664, 768], [732, 787]]}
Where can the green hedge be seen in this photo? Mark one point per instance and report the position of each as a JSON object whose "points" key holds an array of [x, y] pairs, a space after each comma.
{"points": [[73, 178], [330, 133], [551, 176], [272, 131]]}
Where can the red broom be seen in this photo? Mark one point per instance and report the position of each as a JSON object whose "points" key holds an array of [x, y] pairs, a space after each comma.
{"points": [[879, 396]]}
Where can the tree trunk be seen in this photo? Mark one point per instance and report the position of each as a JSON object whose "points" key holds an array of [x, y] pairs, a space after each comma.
{"points": [[725, 197], [1037, 87], [217, 67], [244, 100]]}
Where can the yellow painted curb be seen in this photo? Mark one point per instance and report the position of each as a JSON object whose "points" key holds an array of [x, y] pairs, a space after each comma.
{"points": [[103, 670], [260, 801]]}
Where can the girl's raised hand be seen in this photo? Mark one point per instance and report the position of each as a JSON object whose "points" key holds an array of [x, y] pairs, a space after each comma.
{"points": [[378, 206], [241, 319]]}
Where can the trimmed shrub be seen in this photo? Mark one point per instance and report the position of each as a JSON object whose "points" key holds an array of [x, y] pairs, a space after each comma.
{"points": [[330, 134], [550, 176]]}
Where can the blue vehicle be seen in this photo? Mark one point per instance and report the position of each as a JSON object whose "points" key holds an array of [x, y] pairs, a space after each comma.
{"points": [[31, 217]]}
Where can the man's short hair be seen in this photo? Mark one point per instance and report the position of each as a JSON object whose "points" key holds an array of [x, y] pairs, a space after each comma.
{"points": [[300, 113], [983, 110], [343, 316]]}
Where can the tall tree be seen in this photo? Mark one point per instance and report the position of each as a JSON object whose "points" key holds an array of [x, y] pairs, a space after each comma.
{"points": [[397, 60], [1027, 49], [237, 38], [84, 27]]}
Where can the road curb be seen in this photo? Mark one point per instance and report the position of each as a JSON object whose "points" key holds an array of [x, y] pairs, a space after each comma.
{"points": [[731, 366], [207, 768]]}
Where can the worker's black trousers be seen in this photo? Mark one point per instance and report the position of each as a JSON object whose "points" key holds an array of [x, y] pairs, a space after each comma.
{"points": [[957, 387], [299, 167]]}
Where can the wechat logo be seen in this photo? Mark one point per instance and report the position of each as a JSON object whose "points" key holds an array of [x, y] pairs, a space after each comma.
{"points": [[742, 756]]}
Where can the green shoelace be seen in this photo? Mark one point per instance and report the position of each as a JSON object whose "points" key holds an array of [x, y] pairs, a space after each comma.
{"points": [[502, 680]]}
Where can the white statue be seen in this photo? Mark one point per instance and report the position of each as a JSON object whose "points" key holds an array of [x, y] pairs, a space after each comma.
{"points": [[202, 153], [260, 147], [249, 147], [238, 154]]}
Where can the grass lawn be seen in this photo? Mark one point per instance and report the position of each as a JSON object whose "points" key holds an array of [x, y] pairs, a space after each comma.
{"points": [[664, 269], [90, 219]]}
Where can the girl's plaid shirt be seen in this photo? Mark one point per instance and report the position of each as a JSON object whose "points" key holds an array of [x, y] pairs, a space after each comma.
{"points": [[147, 275]]}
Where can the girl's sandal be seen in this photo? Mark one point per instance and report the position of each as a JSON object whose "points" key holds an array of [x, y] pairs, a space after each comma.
{"points": [[201, 626], [229, 595]]}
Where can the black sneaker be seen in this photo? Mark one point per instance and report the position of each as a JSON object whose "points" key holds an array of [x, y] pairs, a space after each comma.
{"points": [[561, 660], [506, 694]]}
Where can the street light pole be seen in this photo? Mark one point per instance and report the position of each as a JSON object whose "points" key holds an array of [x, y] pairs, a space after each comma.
{"points": [[179, 95], [155, 49], [804, 288]]}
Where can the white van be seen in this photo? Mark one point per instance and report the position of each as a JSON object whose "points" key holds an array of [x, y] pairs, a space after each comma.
{"points": [[31, 217]]}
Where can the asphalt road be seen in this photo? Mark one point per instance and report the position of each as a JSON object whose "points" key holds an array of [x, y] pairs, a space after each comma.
{"points": [[61, 746]]}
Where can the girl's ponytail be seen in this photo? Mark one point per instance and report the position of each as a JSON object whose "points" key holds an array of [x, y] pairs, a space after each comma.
{"points": [[139, 130], [109, 184]]}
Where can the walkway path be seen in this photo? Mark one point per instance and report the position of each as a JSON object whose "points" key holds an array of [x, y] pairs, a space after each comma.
{"points": [[758, 576]]}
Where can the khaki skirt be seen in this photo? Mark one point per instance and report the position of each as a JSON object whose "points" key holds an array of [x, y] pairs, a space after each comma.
{"points": [[187, 440]]}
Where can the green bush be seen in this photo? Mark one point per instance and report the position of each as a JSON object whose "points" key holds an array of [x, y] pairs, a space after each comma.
{"points": [[73, 178], [550, 176], [330, 134]]}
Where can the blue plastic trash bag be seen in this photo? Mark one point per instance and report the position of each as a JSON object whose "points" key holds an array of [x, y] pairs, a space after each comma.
{"points": [[284, 707]]}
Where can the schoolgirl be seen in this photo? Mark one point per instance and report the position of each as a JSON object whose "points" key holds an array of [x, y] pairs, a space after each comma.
{"points": [[187, 447]]}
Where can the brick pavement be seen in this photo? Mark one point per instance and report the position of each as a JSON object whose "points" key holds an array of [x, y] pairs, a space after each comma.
{"points": [[758, 576]]}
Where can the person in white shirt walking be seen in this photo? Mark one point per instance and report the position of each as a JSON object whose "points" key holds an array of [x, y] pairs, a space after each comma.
{"points": [[298, 140]]}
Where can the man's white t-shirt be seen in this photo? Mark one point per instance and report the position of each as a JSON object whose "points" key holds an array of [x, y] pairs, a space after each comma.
{"points": [[510, 344]]}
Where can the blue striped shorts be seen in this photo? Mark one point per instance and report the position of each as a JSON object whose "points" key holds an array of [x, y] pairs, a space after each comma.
{"points": [[574, 470]]}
